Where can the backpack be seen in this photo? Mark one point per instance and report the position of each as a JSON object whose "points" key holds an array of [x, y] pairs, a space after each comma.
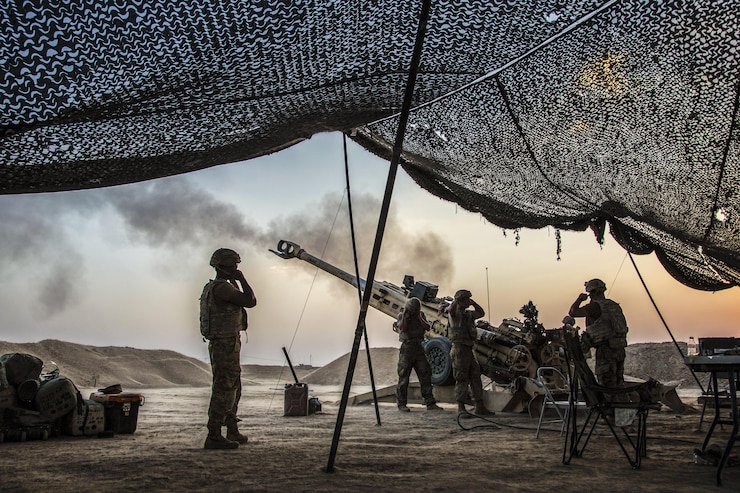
{"points": [[205, 310]]}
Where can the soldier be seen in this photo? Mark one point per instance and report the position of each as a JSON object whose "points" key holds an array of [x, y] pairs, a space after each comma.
{"points": [[411, 325], [462, 333], [222, 317], [606, 330]]}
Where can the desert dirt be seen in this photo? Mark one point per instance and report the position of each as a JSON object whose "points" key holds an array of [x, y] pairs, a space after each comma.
{"points": [[416, 451]]}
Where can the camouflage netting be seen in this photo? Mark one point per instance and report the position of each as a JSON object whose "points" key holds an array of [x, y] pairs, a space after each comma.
{"points": [[567, 113]]}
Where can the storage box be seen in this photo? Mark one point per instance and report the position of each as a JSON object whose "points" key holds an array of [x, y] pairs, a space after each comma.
{"points": [[121, 410], [296, 400], [90, 420]]}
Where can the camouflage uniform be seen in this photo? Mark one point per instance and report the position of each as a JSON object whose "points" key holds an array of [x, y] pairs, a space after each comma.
{"points": [[411, 356], [608, 334], [465, 368], [224, 348]]}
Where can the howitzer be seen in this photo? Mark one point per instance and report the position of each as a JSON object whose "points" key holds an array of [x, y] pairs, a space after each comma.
{"points": [[507, 353]]}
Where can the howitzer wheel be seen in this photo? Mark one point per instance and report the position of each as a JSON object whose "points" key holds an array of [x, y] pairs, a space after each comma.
{"points": [[519, 358], [437, 351], [550, 355]]}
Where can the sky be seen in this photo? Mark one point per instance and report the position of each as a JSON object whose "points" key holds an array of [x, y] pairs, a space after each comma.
{"points": [[125, 265]]}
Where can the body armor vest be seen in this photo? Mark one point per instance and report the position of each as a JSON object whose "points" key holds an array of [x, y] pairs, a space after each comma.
{"points": [[218, 321], [610, 327], [461, 329], [414, 330]]}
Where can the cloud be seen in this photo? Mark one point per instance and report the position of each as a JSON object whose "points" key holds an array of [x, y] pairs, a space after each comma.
{"points": [[174, 213], [40, 238], [323, 231], [36, 244]]}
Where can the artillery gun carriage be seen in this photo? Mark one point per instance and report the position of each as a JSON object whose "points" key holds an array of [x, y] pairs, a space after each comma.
{"points": [[509, 354]]}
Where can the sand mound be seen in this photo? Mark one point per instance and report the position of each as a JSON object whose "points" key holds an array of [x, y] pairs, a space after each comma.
{"points": [[661, 361], [384, 362], [91, 367], [94, 367]]}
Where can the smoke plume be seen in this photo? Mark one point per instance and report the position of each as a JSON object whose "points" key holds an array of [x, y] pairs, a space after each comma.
{"points": [[324, 231], [40, 241]]}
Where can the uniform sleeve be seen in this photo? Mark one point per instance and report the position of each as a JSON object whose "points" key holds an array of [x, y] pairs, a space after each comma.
{"points": [[593, 310], [222, 291]]}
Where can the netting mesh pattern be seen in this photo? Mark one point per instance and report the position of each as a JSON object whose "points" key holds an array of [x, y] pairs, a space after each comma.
{"points": [[567, 113]]}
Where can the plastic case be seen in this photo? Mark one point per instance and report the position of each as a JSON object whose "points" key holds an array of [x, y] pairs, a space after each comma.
{"points": [[121, 410]]}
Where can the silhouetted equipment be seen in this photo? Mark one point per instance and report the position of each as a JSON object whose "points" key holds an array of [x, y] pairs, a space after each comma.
{"points": [[36, 405], [616, 407], [508, 354], [722, 365], [711, 397]]}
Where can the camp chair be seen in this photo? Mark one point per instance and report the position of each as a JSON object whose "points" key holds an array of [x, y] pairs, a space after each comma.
{"points": [[556, 395], [610, 405]]}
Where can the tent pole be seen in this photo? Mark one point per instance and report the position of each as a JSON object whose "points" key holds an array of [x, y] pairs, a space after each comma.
{"points": [[663, 320], [395, 159], [357, 275]]}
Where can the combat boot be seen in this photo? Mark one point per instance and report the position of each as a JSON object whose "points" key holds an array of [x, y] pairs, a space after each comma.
{"points": [[433, 407], [232, 434], [216, 441], [481, 410], [461, 407]]}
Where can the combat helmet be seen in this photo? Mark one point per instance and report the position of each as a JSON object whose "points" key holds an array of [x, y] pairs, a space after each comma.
{"points": [[413, 305], [463, 294], [595, 285], [224, 256]]}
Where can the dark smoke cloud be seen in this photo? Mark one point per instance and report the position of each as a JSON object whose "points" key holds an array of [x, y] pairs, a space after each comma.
{"points": [[172, 213], [36, 245], [424, 255], [60, 289]]}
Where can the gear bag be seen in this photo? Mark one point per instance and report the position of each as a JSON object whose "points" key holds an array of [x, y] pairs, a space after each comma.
{"points": [[205, 311]]}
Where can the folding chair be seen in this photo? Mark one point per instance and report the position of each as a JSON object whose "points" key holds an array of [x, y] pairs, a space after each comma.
{"points": [[556, 395], [608, 405]]}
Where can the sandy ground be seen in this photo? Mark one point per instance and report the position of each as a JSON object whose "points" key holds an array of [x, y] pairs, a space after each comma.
{"points": [[417, 451]]}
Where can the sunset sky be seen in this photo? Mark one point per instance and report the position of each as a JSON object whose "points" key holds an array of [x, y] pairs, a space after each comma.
{"points": [[124, 266]]}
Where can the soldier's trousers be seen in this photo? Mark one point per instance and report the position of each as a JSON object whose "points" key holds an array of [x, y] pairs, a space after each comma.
{"points": [[227, 387], [609, 368], [466, 370], [411, 356]]}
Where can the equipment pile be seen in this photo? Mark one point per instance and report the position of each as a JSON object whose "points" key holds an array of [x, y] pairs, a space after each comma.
{"points": [[37, 403]]}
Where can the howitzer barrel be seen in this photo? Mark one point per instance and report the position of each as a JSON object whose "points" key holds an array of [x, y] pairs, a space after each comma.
{"points": [[504, 352], [288, 250]]}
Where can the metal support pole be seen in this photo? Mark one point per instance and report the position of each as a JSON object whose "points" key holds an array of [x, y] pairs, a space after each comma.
{"points": [[395, 159], [357, 275]]}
